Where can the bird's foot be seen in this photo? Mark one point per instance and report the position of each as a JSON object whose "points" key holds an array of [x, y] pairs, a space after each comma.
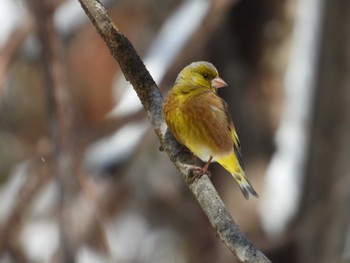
{"points": [[197, 173]]}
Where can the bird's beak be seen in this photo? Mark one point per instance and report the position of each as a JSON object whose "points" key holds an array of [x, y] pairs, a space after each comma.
{"points": [[218, 83]]}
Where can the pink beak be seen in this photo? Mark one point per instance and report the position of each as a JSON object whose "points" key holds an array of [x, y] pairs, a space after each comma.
{"points": [[218, 83]]}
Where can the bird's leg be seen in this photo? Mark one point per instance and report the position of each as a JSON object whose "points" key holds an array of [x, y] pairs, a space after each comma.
{"points": [[204, 169], [197, 173]]}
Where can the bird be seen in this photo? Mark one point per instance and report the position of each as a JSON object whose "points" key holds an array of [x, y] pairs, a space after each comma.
{"points": [[199, 119]]}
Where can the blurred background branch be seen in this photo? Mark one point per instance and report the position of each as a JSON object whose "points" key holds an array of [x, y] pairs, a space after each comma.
{"points": [[60, 118], [11, 47], [324, 214]]}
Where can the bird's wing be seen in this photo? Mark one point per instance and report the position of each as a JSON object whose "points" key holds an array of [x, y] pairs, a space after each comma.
{"points": [[220, 110], [236, 142]]}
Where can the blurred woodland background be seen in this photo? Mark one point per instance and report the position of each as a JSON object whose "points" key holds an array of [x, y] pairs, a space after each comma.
{"points": [[111, 195]]}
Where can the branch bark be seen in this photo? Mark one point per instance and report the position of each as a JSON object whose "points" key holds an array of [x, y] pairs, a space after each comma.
{"points": [[136, 73]]}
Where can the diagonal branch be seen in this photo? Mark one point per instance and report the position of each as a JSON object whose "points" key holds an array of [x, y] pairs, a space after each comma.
{"points": [[148, 92]]}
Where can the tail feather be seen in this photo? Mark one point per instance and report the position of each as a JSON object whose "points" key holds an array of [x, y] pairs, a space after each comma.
{"points": [[232, 165], [245, 186]]}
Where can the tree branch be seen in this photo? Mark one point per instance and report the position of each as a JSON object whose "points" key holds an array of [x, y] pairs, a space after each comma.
{"points": [[148, 92]]}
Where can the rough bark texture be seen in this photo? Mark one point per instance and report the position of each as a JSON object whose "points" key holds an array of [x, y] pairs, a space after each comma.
{"points": [[148, 92]]}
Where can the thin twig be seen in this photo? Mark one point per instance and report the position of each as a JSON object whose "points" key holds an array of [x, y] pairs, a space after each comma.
{"points": [[148, 92], [60, 120]]}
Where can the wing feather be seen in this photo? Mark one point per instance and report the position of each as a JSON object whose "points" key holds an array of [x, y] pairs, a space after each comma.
{"points": [[236, 142]]}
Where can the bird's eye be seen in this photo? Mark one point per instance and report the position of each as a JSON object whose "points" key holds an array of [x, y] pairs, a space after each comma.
{"points": [[206, 76]]}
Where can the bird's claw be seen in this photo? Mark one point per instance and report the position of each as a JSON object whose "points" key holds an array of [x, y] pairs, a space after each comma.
{"points": [[197, 173]]}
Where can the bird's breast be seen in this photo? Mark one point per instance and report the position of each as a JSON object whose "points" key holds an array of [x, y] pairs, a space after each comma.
{"points": [[200, 123]]}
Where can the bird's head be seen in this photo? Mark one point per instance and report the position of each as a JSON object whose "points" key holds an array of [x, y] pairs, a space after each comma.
{"points": [[200, 75]]}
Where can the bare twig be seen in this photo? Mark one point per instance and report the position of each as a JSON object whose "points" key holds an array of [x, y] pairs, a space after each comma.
{"points": [[148, 92], [60, 119]]}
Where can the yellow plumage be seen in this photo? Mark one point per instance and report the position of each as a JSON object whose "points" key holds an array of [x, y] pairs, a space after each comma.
{"points": [[199, 119]]}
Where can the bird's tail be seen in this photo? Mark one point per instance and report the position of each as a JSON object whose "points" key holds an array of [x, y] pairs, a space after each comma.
{"points": [[232, 165], [246, 188]]}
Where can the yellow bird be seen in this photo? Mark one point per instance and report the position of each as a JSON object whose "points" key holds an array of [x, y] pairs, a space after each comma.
{"points": [[199, 119]]}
